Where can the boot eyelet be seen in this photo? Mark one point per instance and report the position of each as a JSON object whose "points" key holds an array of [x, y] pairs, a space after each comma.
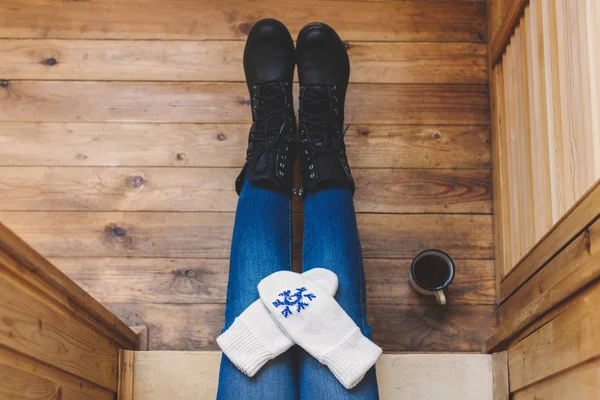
{"points": [[282, 165], [306, 152], [310, 167], [312, 175], [285, 148], [281, 173], [283, 157], [333, 87], [285, 84]]}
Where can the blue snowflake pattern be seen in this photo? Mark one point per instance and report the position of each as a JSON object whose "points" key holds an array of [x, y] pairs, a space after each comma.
{"points": [[299, 300]]}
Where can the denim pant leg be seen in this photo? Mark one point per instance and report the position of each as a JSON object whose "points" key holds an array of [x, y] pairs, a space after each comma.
{"points": [[331, 241], [261, 245]]}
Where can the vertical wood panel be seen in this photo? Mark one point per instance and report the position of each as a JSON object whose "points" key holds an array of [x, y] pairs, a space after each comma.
{"points": [[538, 127], [593, 33]]}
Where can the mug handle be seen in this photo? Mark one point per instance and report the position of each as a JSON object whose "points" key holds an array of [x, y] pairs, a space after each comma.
{"points": [[440, 297]]}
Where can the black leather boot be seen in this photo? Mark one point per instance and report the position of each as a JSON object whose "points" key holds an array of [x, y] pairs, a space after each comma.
{"points": [[324, 71], [269, 62]]}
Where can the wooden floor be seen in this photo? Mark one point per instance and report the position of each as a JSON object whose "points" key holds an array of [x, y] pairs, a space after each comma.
{"points": [[123, 124]]}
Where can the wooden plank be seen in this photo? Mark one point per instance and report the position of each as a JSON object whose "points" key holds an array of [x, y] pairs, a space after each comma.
{"points": [[500, 373], [495, 17], [208, 234], [195, 281], [212, 189], [71, 387], [500, 176], [232, 19], [395, 328], [570, 270], [36, 326], [431, 327], [568, 340], [581, 215], [161, 374], [511, 132], [200, 145], [527, 205], [553, 96], [37, 271], [540, 159], [126, 375], [579, 383], [510, 22], [151, 60], [19, 385], [387, 282], [62, 101]]}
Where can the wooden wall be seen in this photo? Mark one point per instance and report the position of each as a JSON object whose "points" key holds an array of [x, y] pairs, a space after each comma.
{"points": [[124, 123], [56, 341], [545, 98], [546, 126]]}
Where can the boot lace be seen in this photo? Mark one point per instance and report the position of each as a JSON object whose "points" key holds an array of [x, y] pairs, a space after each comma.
{"points": [[320, 120], [272, 122]]}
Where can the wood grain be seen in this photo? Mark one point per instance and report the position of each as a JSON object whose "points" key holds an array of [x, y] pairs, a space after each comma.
{"points": [[232, 19], [22, 260], [19, 385], [431, 327], [36, 326], [71, 387], [60, 101], [208, 235], [126, 375], [212, 189], [581, 215], [151, 60], [162, 374], [568, 340], [208, 145], [579, 383], [195, 281], [573, 268]]}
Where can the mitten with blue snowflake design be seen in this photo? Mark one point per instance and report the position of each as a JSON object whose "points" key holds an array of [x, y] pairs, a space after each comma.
{"points": [[315, 321], [254, 338]]}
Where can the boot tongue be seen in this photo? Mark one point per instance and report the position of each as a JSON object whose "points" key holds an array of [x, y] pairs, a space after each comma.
{"points": [[319, 105]]}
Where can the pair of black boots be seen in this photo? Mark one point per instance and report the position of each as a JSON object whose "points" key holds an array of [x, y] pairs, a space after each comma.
{"points": [[273, 145]]}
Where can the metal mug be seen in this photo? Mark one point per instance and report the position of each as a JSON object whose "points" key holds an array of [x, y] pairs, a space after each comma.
{"points": [[432, 271]]}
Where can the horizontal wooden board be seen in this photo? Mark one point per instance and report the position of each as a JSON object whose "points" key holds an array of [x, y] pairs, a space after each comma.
{"points": [[161, 374], [61, 101], [395, 328], [194, 281], [212, 189], [207, 145], [570, 339], [233, 19], [573, 268], [70, 386], [208, 235], [579, 383], [152, 60], [22, 385], [35, 325], [387, 282], [431, 327]]}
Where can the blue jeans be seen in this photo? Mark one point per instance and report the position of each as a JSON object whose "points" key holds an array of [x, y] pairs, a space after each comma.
{"points": [[261, 245]]}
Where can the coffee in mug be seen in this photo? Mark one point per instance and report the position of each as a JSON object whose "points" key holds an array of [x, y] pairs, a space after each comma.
{"points": [[431, 271]]}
